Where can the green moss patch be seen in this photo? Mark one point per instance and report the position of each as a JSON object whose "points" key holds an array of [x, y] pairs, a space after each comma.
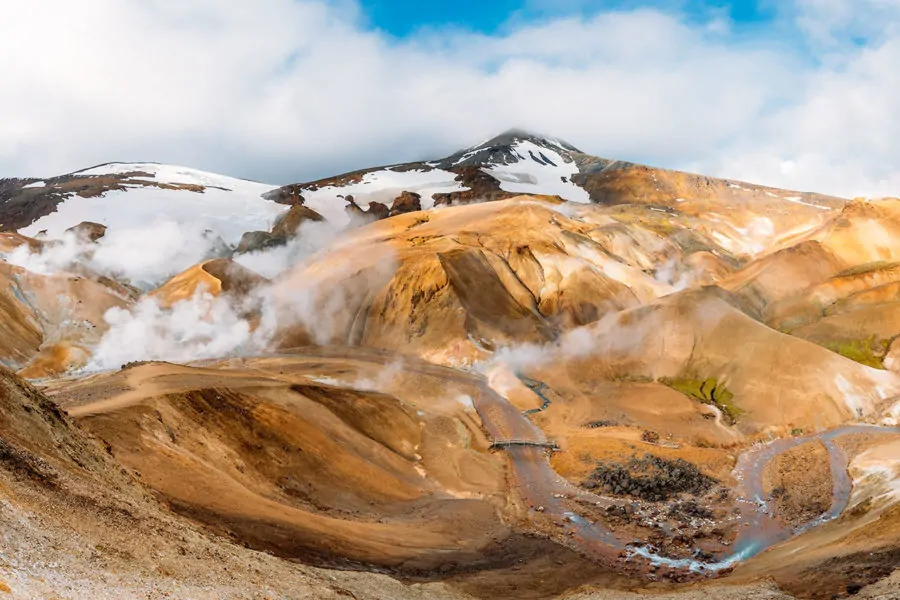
{"points": [[708, 391], [869, 352]]}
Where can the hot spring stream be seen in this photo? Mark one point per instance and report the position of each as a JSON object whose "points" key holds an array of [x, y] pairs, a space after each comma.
{"points": [[545, 490]]}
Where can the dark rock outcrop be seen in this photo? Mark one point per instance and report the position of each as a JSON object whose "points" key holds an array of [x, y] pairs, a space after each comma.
{"points": [[650, 478], [286, 227], [376, 211], [256, 241], [289, 223], [289, 194], [88, 231], [406, 202], [482, 188]]}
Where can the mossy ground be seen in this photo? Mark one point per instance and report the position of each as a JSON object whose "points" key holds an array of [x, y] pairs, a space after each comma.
{"points": [[869, 352], [708, 391]]}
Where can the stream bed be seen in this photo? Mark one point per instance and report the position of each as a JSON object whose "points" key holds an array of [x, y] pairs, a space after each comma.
{"points": [[545, 491]]}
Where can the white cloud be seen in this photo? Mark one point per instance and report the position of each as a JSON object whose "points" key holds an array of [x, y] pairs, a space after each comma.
{"points": [[835, 22], [285, 90]]}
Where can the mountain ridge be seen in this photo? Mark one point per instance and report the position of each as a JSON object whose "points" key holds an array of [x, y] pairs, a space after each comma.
{"points": [[511, 163]]}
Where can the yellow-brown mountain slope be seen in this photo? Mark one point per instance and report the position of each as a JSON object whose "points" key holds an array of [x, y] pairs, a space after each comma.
{"points": [[456, 283]]}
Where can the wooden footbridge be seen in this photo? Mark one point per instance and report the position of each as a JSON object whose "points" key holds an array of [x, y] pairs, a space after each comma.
{"points": [[501, 444]]}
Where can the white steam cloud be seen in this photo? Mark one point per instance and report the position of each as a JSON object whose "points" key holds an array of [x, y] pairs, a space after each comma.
{"points": [[669, 273], [205, 326], [311, 237], [214, 326], [576, 343], [143, 256]]}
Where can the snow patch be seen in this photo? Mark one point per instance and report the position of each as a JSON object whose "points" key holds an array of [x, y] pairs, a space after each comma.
{"points": [[799, 200], [751, 239], [36, 184], [466, 401], [381, 186], [539, 171]]}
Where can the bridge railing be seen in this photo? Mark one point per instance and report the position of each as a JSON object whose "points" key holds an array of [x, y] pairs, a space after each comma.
{"points": [[512, 443]]}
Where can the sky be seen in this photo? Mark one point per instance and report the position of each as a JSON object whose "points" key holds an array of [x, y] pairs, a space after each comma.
{"points": [[793, 93], [401, 18]]}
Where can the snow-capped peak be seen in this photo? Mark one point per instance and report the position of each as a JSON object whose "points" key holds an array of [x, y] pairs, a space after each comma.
{"points": [[502, 150], [520, 135]]}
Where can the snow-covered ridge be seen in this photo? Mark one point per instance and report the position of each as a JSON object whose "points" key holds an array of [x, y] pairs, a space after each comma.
{"points": [[226, 205], [174, 175], [521, 163]]}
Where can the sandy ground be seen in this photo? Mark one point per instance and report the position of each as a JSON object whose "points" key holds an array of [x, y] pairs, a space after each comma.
{"points": [[800, 482]]}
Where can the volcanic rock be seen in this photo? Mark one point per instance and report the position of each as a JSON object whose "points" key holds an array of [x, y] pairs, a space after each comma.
{"points": [[406, 202], [88, 231], [256, 241], [289, 223]]}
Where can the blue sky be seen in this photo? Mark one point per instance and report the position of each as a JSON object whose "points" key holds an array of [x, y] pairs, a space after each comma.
{"points": [[799, 94], [403, 17]]}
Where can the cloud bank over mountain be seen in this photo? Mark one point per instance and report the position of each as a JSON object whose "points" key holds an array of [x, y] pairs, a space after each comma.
{"points": [[282, 90]]}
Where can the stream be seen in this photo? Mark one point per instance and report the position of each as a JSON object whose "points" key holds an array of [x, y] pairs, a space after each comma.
{"points": [[544, 490]]}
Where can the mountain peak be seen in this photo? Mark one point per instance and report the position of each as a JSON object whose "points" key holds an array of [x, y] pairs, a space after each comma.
{"points": [[507, 148], [511, 136]]}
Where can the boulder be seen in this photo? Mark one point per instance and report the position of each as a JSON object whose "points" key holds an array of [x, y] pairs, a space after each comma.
{"points": [[376, 211], [255, 241], [289, 223], [88, 231], [405, 203], [289, 194]]}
